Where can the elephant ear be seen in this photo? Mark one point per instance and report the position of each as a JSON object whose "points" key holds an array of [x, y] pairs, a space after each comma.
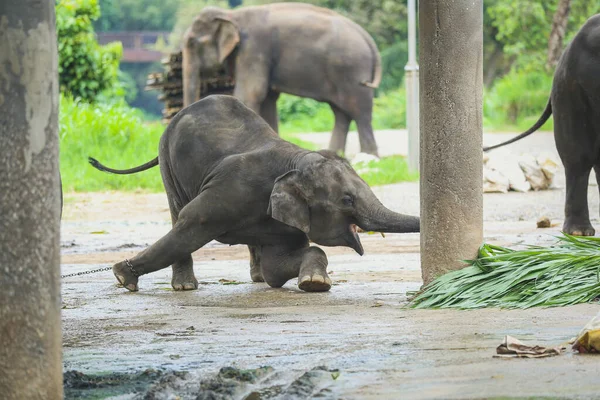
{"points": [[228, 37], [287, 203]]}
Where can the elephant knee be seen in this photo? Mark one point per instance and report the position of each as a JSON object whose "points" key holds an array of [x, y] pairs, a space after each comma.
{"points": [[273, 280]]}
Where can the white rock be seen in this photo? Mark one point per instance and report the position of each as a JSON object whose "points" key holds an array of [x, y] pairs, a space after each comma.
{"points": [[533, 172], [509, 168]]}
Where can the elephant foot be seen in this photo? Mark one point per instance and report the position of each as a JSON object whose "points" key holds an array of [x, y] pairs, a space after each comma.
{"points": [[255, 268], [184, 281], [125, 276], [256, 276], [314, 281], [585, 229]]}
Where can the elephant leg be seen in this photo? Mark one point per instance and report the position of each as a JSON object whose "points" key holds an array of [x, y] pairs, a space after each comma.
{"points": [[365, 134], [196, 225], [183, 277], [309, 264], [255, 269], [252, 87], [577, 218], [268, 110], [339, 135]]}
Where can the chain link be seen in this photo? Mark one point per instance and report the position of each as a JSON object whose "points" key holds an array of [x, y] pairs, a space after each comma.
{"points": [[93, 271]]}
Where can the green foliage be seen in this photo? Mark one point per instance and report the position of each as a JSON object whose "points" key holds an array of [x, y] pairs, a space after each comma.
{"points": [[518, 99], [85, 68], [302, 115], [114, 134], [523, 27], [389, 110], [137, 15], [387, 170], [565, 274]]}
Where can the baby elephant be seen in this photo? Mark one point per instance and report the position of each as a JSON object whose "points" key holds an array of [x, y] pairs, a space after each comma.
{"points": [[229, 177]]}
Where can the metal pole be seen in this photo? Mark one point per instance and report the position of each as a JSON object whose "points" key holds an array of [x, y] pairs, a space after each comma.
{"points": [[411, 81], [450, 54]]}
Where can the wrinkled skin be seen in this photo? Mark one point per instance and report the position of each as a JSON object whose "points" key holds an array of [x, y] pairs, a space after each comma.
{"points": [[575, 103], [291, 48], [229, 177]]}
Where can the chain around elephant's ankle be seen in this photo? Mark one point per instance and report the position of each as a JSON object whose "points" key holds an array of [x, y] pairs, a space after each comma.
{"points": [[133, 271]]}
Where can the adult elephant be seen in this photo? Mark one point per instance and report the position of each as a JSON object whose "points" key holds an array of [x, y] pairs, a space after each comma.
{"points": [[575, 103], [290, 48], [229, 177]]}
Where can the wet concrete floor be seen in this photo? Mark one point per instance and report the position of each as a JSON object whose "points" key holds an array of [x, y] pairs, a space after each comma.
{"points": [[361, 328]]}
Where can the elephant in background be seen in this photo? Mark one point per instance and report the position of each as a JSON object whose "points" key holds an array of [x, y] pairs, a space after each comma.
{"points": [[229, 177], [290, 48], [575, 103]]}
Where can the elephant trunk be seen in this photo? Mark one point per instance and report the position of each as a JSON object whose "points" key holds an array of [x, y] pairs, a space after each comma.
{"points": [[191, 79], [377, 218]]}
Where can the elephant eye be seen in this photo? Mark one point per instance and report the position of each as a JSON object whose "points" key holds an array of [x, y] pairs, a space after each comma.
{"points": [[348, 200]]}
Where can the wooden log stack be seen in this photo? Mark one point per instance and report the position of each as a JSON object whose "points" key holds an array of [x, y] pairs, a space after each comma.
{"points": [[170, 84]]}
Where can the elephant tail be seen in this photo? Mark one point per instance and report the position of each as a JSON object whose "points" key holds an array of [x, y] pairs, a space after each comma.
{"points": [[540, 122], [376, 74], [96, 164]]}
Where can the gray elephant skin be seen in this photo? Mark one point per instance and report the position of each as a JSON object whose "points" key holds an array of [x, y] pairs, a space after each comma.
{"points": [[229, 177], [290, 48], [575, 103]]}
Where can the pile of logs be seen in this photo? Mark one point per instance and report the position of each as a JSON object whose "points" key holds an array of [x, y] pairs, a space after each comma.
{"points": [[170, 84]]}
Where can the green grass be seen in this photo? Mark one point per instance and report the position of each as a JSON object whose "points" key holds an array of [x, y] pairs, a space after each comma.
{"points": [[114, 134], [388, 170], [302, 115], [564, 274]]}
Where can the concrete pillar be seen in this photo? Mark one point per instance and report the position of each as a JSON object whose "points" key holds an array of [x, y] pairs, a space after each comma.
{"points": [[451, 91], [411, 82], [30, 334]]}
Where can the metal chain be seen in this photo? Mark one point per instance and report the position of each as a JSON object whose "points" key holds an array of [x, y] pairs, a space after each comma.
{"points": [[93, 271]]}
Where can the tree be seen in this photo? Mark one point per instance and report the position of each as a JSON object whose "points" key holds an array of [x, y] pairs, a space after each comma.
{"points": [[30, 336], [85, 69], [557, 34], [137, 15], [524, 28]]}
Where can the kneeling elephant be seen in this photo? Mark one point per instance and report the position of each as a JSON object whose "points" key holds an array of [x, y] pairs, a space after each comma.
{"points": [[229, 177]]}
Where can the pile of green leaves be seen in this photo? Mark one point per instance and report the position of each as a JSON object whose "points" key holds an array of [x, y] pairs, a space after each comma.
{"points": [[85, 68], [564, 274]]}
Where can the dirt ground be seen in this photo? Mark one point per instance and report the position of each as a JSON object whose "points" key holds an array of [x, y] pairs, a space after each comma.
{"points": [[357, 341]]}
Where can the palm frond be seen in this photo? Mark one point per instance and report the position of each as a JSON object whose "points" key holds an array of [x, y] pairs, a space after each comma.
{"points": [[564, 274]]}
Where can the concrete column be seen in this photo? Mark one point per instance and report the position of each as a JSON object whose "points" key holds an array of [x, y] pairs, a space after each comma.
{"points": [[411, 82], [451, 91], [30, 334]]}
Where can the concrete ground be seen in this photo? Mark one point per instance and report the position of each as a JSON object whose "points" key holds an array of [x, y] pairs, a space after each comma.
{"points": [[371, 345]]}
